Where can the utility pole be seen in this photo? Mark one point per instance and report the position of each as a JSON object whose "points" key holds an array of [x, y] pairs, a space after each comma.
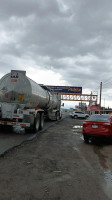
{"points": [[100, 92]]}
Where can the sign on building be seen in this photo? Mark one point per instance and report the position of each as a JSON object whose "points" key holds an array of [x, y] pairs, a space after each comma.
{"points": [[93, 108]]}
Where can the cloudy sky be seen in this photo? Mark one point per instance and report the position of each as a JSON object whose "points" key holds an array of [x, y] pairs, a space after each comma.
{"points": [[59, 42]]}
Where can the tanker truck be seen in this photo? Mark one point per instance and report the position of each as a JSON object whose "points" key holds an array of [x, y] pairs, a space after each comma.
{"points": [[25, 103]]}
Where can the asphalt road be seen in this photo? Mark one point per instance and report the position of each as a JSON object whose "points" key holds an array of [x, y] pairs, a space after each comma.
{"points": [[57, 165], [10, 139]]}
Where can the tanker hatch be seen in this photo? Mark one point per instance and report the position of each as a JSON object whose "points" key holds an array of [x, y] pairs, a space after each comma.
{"points": [[15, 72]]}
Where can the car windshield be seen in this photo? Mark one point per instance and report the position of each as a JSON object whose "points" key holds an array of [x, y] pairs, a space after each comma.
{"points": [[98, 118]]}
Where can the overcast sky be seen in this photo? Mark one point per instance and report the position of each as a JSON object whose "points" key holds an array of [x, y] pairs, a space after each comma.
{"points": [[59, 42]]}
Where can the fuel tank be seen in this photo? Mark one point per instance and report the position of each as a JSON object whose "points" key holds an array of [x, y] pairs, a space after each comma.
{"points": [[17, 88]]}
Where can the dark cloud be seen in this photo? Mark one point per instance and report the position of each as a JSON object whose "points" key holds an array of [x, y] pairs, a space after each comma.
{"points": [[72, 38], [24, 8]]}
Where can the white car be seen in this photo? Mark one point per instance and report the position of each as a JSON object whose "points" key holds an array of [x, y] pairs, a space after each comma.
{"points": [[79, 114]]}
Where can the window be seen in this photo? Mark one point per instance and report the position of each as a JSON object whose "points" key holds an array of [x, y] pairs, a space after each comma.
{"points": [[98, 118]]}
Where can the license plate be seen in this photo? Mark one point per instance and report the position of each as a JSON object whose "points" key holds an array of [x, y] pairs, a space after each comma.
{"points": [[94, 126]]}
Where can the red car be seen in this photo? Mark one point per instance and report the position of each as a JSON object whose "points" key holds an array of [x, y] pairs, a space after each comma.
{"points": [[97, 126]]}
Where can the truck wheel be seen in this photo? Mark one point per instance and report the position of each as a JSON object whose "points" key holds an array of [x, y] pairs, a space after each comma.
{"points": [[36, 123], [27, 130], [2, 127], [60, 116], [41, 121], [57, 116]]}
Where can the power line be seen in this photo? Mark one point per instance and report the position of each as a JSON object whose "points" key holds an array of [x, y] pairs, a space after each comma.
{"points": [[106, 81]]}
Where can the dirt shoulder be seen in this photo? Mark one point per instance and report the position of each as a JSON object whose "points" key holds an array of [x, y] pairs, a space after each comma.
{"points": [[49, 168]]}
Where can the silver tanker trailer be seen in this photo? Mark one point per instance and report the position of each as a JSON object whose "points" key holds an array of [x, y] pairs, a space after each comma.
{"points": [[25, 103]]}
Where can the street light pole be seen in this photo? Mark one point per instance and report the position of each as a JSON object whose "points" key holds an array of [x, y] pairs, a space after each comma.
{"points": [[100, 92]]}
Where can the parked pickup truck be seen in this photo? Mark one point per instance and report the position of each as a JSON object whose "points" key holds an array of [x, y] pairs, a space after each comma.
{"points": [[79, 114]]}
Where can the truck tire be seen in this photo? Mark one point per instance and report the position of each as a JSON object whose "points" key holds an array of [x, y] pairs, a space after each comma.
{"points": [[57, 116], [41, 121], [60, 116], [2, 127], [36, 125]]}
